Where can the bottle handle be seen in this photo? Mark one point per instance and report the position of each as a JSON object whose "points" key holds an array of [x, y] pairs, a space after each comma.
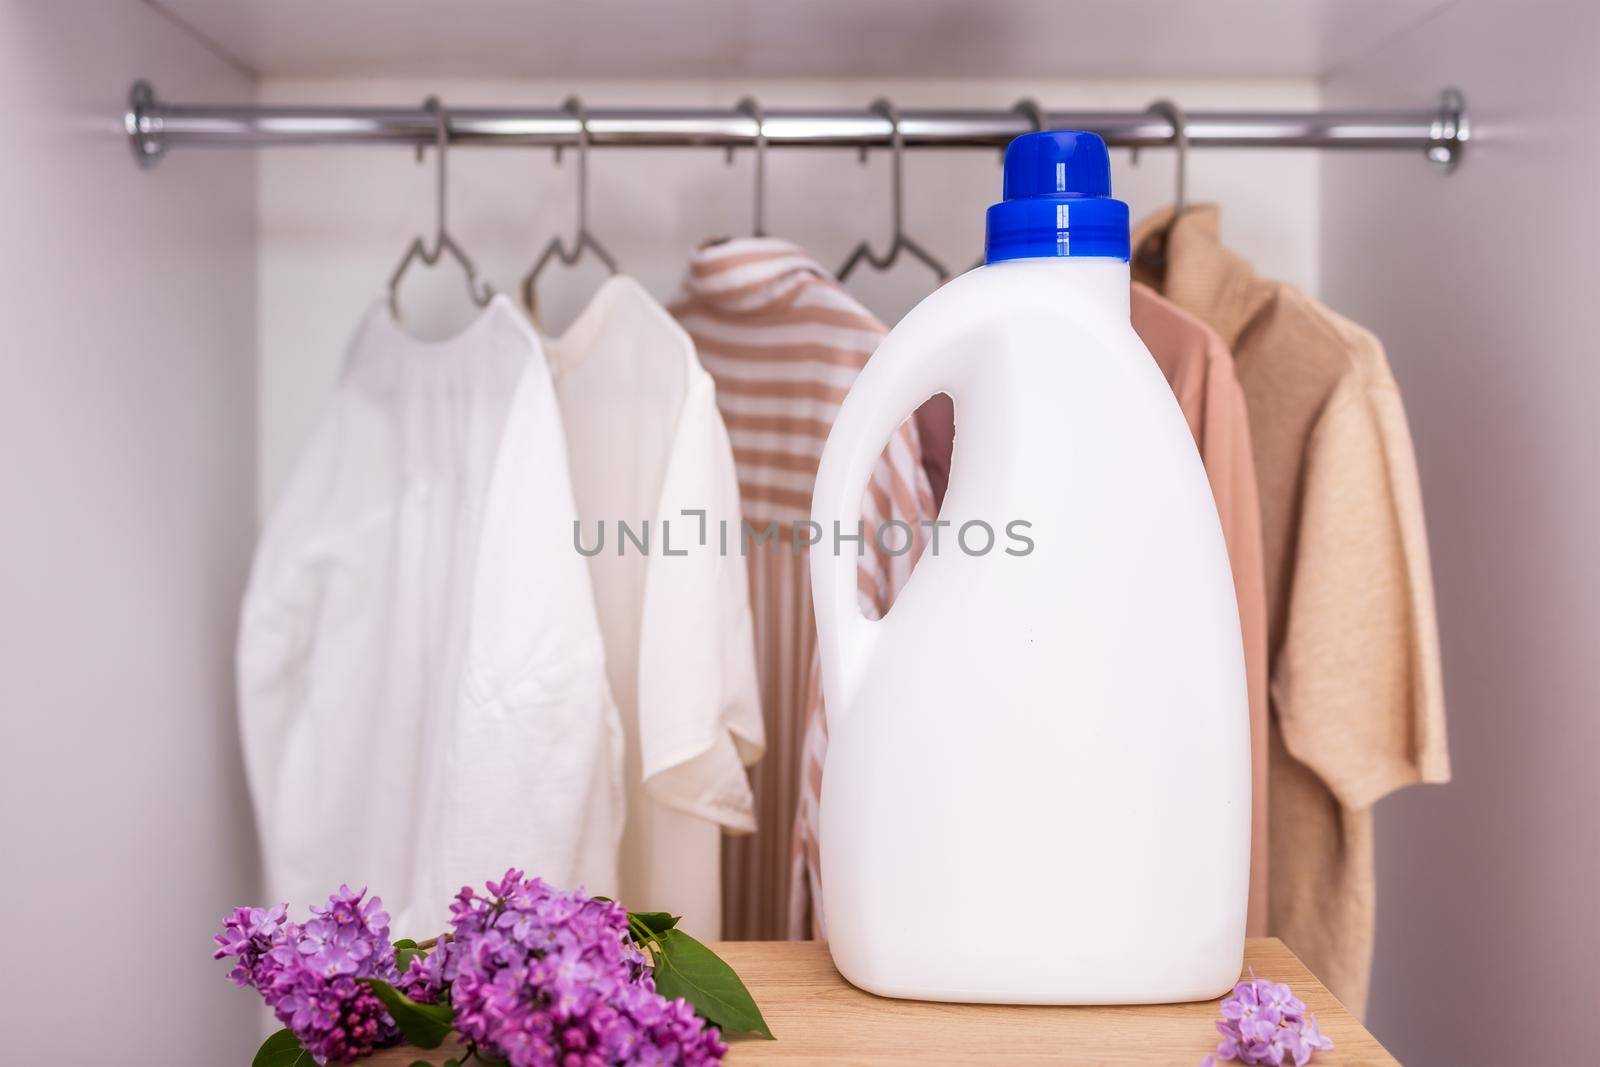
{"points": [[912, 364]]}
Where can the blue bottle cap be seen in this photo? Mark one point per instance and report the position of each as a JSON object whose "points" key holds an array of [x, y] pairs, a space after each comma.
{"points": [[1057, 200]]}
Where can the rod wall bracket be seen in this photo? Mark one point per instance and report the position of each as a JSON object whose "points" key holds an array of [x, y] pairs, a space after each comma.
{"points": [[1447, 141], [144, 129]]}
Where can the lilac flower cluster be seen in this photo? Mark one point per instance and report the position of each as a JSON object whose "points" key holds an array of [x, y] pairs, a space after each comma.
{"points": [[1264, 1022], [306, 972], [542, 977]]}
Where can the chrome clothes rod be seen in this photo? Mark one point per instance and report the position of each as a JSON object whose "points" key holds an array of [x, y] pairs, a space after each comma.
{"points": [[154, 126]]}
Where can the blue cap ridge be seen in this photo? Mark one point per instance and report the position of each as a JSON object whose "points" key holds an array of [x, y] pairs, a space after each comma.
{"points": [[1057, 200]]}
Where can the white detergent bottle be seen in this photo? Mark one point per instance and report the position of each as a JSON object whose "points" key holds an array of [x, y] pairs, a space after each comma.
{"points": [[1037, 785]]}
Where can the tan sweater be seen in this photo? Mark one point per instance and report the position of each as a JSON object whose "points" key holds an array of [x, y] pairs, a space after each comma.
{"points": [[1357, 697]]}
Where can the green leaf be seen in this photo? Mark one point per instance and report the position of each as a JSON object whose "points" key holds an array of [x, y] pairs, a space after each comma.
{"points": [[657, 922], [406, 950], [282, 1049], [686, 968], [424, 1025]]}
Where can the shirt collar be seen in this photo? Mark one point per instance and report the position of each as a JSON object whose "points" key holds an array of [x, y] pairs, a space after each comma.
{"points": [[1201, 276], [750, 275]]}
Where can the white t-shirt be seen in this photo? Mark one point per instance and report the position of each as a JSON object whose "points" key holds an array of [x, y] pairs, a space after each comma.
{"points": [[647, 447], [421, 676]]}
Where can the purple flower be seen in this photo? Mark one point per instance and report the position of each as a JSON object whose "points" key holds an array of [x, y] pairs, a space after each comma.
{"points": [[249, 934], [1280, 998], [536, 976], [429, 976], [1243, 1003], [543, 977], [349, 936], [307, 972], [1311, 1039], [1263, 1022]]}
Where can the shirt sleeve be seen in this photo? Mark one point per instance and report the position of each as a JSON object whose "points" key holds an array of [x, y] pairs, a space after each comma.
{"points": [[1357, 683], [700, 720]]}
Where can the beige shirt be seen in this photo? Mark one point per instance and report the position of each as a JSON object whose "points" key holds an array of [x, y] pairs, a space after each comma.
{"points": [[1356, 692]]}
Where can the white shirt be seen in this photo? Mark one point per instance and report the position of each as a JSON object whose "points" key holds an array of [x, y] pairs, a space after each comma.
{"points": [[647, 447], [421, 677]]}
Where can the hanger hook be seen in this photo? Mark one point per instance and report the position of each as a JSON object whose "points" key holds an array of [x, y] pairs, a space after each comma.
{"points": [[1180, 141], [481, 292], [441, 138], [750, 107], [899, 241], [897, 146], [557, 248], [574, 107], [1028, 107]]}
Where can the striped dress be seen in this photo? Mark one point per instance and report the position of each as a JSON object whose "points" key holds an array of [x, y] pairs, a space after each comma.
{"points": [[783, 342]]}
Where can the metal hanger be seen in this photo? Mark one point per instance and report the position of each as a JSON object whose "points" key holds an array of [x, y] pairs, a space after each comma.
{"points": [[583, 239], [1153, 252], [749, 106], [899, 242], [481, 292], [1029, 108]]}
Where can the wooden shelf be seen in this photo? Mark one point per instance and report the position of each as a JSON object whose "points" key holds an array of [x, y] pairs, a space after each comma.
{"points": [[819, 1018]]}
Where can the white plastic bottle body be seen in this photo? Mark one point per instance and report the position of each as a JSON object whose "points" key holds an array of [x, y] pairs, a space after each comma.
{"points": [[1037, 780]]}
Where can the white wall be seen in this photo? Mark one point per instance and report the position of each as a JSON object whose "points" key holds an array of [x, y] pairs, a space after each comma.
{"points": [[135, 303], [1481, 284], [334, 221], [127, 455]]}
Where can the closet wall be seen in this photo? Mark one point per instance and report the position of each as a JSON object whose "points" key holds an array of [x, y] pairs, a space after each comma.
{"points": [[141, 437], [1479, 284], [334, 221], [128, 460]]}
